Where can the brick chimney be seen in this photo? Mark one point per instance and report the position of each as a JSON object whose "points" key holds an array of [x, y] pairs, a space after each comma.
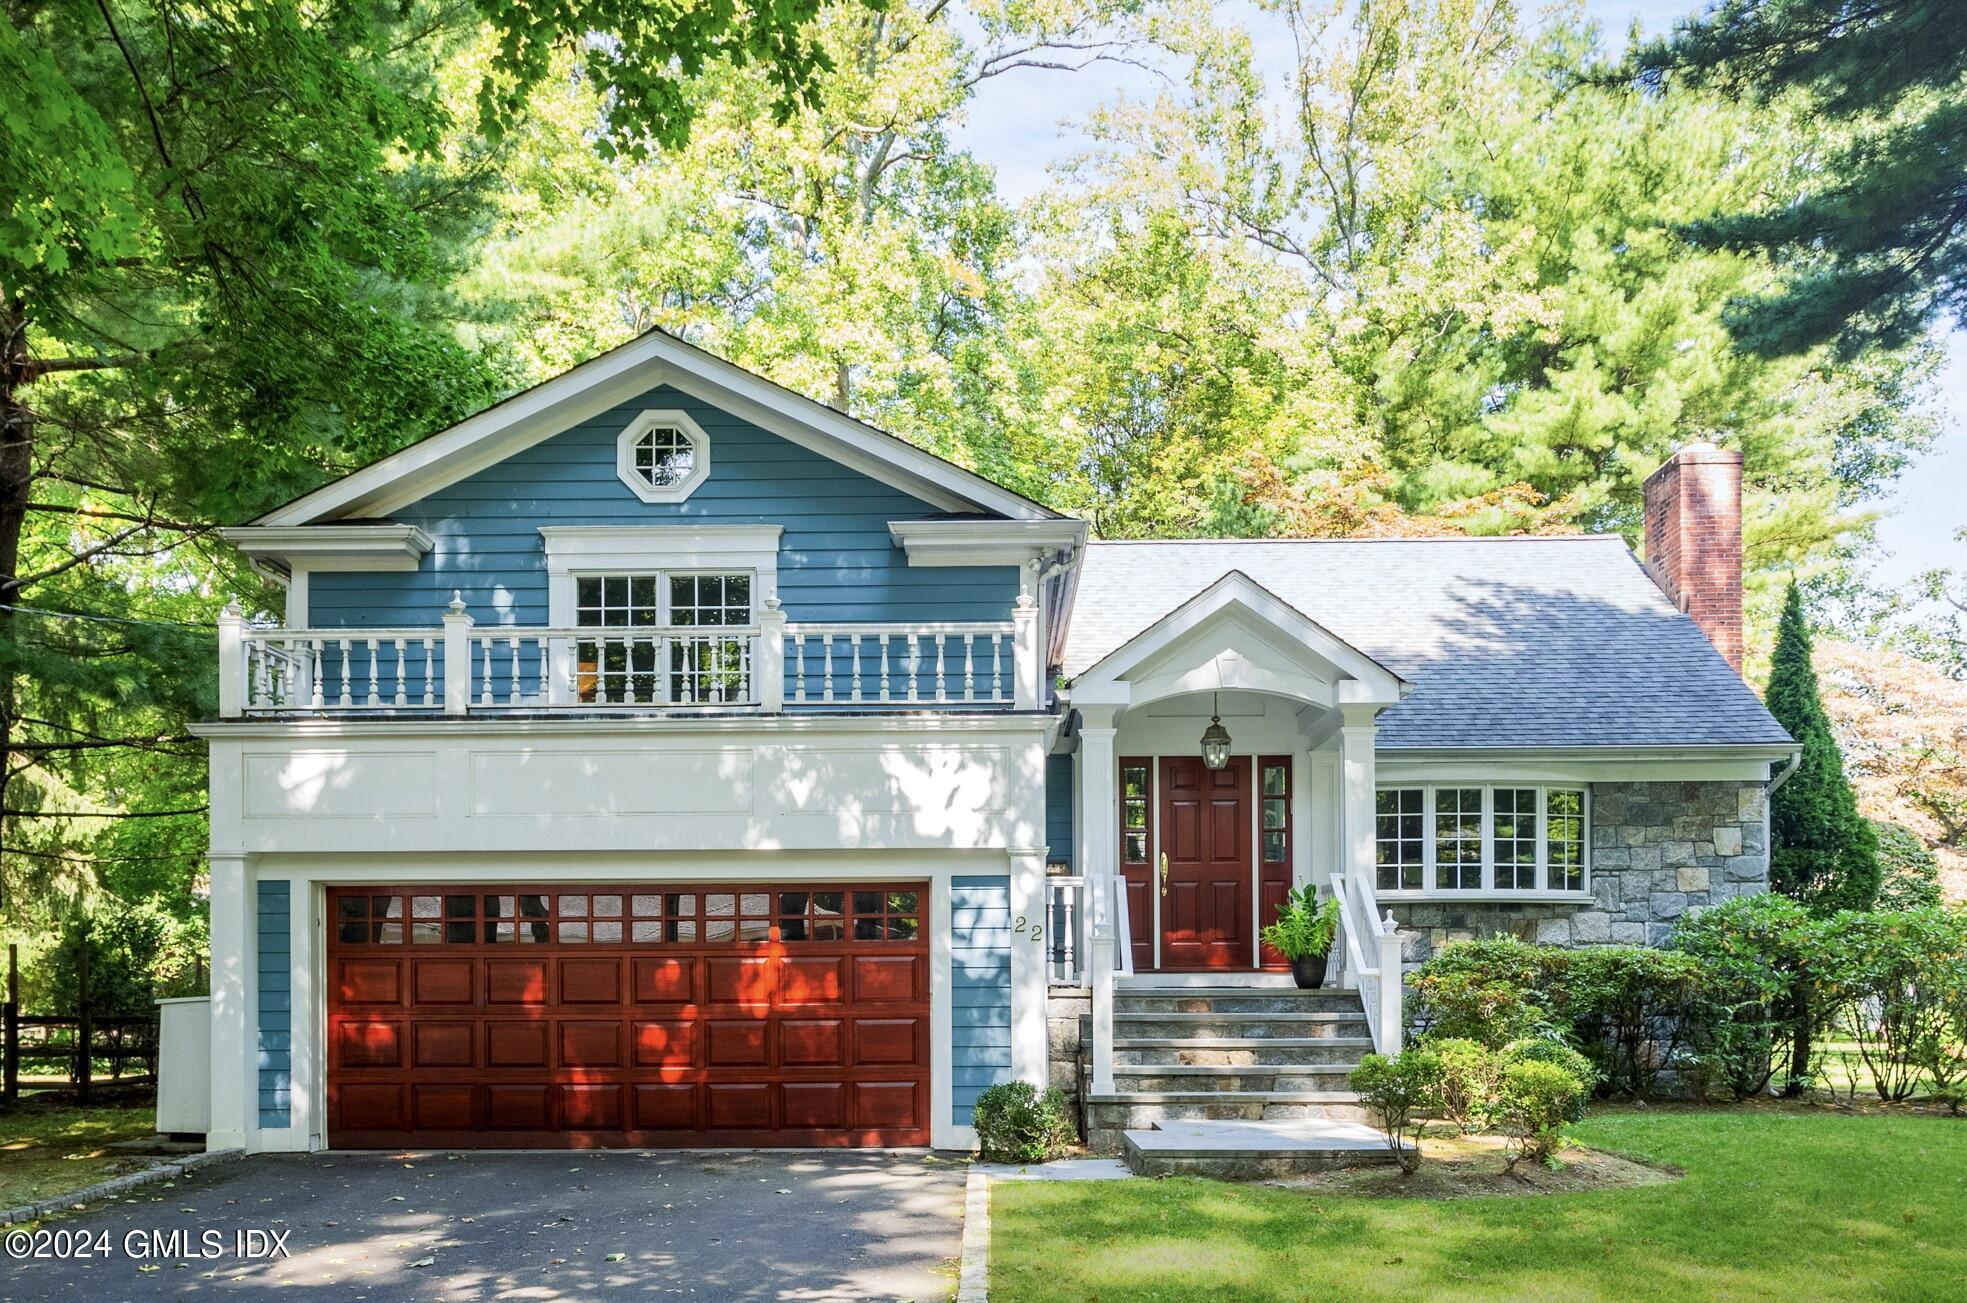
{"points": [[1694, 540]]}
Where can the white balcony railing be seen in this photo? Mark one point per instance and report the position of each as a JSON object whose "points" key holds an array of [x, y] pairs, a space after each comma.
{"points": [[459, 668], [885, 664]]}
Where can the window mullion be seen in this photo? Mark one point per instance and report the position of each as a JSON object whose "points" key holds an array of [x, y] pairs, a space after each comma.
{"points": [[1488, 826], [1430, 877], [1543, 840]]}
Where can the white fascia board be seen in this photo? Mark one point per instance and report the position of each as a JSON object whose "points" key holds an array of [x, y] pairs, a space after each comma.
{"points": [[1579, 764], [836, 435], [1375, 683], [984, 542], [332, 547], [529, 417], [643, 363]]}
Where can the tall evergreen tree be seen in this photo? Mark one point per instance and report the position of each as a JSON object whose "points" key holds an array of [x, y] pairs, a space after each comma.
{"points": [[1822, 853], [1875, 237]]}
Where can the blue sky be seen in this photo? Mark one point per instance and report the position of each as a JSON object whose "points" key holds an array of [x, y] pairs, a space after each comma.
{"points": [[1022, 124]]}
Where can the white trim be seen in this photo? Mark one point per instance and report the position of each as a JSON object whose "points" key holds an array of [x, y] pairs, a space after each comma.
{"points": [[655, 419], [478, 728], [1363, 680], [984, 542], [333, 547], [592, 388], [573, 550], [1489, 891]]}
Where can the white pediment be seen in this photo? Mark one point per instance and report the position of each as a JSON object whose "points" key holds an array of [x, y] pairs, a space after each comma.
{"points": [[1237, 636]]}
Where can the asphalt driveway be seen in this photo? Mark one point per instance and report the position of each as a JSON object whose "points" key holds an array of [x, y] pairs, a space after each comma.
{"points": [[694, 1225]]}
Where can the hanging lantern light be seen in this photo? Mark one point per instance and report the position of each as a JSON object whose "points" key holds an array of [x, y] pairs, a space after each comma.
{"points": [[1215, 738]]}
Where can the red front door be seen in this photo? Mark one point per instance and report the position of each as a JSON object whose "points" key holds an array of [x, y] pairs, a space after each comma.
{"points": [[1205, 881]]}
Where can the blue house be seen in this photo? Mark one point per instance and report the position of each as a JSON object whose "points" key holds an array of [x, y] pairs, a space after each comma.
{"points": [[662, 758]]}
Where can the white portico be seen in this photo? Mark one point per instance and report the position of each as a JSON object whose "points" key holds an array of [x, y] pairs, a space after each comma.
{"points": [[1181, 853]]}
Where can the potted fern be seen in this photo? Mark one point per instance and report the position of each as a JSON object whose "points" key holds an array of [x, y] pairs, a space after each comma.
{"points": [[1303, 934]]}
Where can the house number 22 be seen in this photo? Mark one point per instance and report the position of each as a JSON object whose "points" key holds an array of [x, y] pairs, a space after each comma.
{"points": [[1024, 925]]}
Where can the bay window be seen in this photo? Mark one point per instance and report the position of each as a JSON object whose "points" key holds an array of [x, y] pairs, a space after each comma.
{"points": [[1463, 839]]}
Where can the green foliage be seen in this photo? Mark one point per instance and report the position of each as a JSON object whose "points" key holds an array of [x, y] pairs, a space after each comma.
{"points": [[1304, 926], [645, 56], [1399, 1092], [1534, 1102], [1874, 235], [1547, 1049], [1897, 982], [1493, 991], [1016, 1123], [138, 953], [1752, 951], [1628, 1008], [1909, 873], [1822, 852], [1470, 1073]]}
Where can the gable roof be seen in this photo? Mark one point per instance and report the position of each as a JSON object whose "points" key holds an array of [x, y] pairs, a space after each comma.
{"points": [[1509, 642], [1235, 592], [650, 359]]}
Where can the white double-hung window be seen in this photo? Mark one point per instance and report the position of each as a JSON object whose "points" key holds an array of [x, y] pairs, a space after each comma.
{"points": [[661, 615], [1466, 839]]}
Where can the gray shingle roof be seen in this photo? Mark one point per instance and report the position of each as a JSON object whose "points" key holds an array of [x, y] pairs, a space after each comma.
{"points": [[1517, 642]]}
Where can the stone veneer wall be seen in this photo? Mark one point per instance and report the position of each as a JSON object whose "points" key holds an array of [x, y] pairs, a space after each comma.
{"points": [[1658, 851], [1063, 1011]]}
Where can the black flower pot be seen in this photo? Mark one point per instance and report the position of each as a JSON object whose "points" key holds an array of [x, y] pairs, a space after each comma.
{"points": [[1308, 971]]}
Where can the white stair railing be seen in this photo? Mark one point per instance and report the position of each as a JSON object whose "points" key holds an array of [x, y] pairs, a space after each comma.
{"points": [[1372, 959], [1065, 930]]}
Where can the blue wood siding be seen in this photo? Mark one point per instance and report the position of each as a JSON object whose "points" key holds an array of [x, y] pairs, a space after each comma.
{"points": [[836, 563], [276, 1004], [980, 988], [1058, 809]]}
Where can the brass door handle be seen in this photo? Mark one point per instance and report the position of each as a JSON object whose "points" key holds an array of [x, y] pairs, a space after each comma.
{"points": [[1164, 873]]}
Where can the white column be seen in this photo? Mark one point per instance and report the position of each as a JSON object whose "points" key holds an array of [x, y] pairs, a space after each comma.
{"points": [[235, 1062], [1325, 832], [1030, 1051], [1356, 785], [232, 662], [1099, 833], [1027, 657], [770, 666], [457, 657]]}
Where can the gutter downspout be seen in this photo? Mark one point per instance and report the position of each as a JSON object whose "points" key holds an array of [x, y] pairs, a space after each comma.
{"points": [[1795, 759]]}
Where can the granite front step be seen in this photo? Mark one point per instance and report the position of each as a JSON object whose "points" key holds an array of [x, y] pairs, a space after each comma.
{"points": [[1296, 1080], [1253, 1151], [1248, 1025], [1108, 1117], [1221, 1000], [1234, 1051]]}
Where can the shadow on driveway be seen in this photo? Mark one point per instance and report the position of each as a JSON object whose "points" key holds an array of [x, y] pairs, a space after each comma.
{"points": [[703, 1225]]}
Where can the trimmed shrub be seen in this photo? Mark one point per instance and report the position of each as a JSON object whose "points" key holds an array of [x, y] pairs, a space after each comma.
{"points": [[1492, 991], [1018, 1124], [1627, 1008], [1534, 1102], [1397, 1091], [1752, 992], [1543, 1049], [1470, 1072], [1896, 981]]}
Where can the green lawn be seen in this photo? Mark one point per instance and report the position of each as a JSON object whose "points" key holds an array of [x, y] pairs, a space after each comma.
{"points": [[1775, 1205], [49, 1150]]}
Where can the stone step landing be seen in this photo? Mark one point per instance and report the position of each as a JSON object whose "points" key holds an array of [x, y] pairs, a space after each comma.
{"points": [[1253, 1151]]}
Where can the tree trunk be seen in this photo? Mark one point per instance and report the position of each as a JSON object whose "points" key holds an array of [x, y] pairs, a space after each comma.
{"points": [[1800, 1047], [16, 479]]}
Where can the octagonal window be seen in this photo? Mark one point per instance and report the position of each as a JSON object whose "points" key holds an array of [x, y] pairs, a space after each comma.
{"points": [[663, 456]]}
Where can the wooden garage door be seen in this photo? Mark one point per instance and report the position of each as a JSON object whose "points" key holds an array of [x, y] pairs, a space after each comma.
{"points": [[601, 1015]]}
